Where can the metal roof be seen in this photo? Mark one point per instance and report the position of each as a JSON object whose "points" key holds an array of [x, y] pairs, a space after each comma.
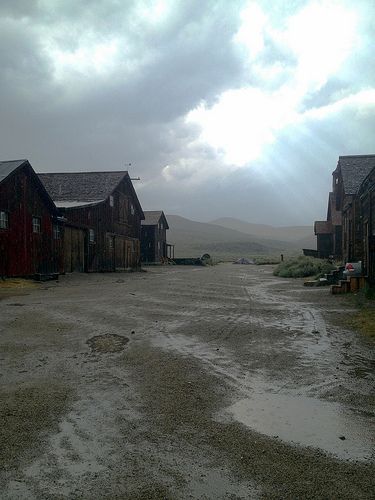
{"points": [[354, 170], [75, 204], [7, 167]]}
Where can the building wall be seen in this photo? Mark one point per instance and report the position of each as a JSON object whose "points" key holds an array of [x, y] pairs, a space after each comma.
{"points": [[153, 243], [148, 244], [324, 245], [113, 231], [22, 251], [366, 201]]}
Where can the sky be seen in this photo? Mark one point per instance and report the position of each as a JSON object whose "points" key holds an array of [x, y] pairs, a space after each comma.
{"points": [[230, 108]]}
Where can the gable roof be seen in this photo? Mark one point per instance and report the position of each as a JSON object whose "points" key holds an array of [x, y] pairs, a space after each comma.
{"points": [[74, 189], [152, 218], [81, 186], [7, 167], [354, 170]]}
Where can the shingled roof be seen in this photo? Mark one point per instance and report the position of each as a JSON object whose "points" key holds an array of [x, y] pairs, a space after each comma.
{"points": [[152, 218], [7, 167], [354, 170], [81, 186]]}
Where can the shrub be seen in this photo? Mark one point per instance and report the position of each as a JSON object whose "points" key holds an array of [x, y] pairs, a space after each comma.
{"points": [[301, 267]]}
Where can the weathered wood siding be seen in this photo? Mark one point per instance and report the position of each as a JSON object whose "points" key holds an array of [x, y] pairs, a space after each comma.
{"points": [[74, 249], [367, 207], [113, 232], [22, 251]]}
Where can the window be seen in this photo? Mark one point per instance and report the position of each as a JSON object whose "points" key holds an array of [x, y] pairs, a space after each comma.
{"points": [[110, 242], [111, 201], [132, 209], [4, 220], [56, 232], [91, 236], [37, 225]]}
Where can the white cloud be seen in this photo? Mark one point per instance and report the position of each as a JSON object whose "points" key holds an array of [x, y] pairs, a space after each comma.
{"points": [[319, 38]]}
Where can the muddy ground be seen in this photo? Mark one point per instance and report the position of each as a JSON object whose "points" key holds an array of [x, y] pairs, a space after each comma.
{"points": [[207, 383]]}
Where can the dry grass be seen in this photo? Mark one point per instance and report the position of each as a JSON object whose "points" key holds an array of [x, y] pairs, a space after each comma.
{"points": [[364, 320], [16, 284]]}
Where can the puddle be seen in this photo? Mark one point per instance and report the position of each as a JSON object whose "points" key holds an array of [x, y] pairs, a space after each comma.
{"points": [[107, 343], [309, 422]]}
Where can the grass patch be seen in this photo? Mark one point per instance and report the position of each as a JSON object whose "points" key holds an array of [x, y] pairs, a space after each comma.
{"points": [[364, 321], [302, 267], [263, 260]]}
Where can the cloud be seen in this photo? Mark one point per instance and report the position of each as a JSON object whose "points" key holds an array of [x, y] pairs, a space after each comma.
{"points": [[223, 108]]}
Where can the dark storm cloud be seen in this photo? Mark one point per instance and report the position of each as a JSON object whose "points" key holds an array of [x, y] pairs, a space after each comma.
{"points": [[103, 120], [75, 117]]}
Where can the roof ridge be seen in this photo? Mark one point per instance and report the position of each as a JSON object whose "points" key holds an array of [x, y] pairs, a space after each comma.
{"points": [[84, 172], [357, 156], [13, 161]]}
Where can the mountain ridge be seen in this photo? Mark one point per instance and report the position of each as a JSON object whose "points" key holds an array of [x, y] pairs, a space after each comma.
{"points": [[192, 238]]}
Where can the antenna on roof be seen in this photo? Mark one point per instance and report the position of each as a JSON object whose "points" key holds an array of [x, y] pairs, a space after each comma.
{"points": [[132, 178]]}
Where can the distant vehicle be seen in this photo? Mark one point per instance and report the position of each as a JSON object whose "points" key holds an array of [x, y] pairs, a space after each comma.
{"points": [[353, 269]]}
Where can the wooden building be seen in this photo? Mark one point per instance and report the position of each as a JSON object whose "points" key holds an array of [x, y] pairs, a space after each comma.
{"points": [[341, 232], [154, 247], [366, 206], [30, 223], [329, 232], [103, 219]]}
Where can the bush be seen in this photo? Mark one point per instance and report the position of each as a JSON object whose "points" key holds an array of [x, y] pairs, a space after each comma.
{"points": [[301, 267]]}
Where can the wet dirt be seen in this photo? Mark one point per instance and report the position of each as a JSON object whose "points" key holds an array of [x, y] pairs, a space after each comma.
{"points": [[234, 384], [107, 343]]}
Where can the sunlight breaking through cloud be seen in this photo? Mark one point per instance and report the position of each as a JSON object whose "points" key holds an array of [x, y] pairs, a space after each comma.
{"points": [[318, 39]]}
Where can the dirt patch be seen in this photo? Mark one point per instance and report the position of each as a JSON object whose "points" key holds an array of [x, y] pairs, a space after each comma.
{"points": [[26, 414], [107, 343]]}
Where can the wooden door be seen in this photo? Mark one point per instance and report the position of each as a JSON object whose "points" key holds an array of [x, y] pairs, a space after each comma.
{"points": [[74, 250]]}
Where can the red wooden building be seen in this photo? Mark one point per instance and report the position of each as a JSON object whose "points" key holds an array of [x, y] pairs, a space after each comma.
{"points": [[30, 226], [103, 219]]}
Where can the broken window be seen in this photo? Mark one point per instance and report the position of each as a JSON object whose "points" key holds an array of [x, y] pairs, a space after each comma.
{"points": [[37, 224], [4, 220]]}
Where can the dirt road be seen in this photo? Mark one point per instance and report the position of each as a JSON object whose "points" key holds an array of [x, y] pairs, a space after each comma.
{"points": [[207, 383]]}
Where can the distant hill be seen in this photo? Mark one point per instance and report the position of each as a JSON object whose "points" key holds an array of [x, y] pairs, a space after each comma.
{"points": [[294, 234], [192, 239]]}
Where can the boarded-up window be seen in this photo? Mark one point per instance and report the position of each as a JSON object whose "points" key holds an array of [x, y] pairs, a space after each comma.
{"points": [[4, 220], [37, 225]]}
